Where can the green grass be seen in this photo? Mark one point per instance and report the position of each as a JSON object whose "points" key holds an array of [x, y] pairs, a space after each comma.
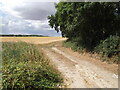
{"points": [[0, 79], [0, 65], [25, 67], [108, 49], [74, 46]]}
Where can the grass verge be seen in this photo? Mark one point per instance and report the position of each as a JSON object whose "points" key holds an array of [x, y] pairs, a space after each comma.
{"points": [[25, 67], [108, 49]]}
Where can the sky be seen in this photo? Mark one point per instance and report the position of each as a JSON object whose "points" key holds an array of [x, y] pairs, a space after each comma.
{"points": [[26, 17]]}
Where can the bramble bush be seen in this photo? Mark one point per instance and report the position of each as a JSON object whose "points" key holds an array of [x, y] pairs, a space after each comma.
{"points": [[73, 45], [110, 47]]}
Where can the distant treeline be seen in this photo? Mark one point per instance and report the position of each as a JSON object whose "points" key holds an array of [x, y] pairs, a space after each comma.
{"points": [[12, 35]]}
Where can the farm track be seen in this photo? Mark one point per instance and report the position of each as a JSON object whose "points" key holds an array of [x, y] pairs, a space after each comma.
{"points": [[79, 73]]}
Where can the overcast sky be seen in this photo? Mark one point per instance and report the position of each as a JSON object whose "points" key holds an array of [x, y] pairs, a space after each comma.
{"points": [[26, 17]]}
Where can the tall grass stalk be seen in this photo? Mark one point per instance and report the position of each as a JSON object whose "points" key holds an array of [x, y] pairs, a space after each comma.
{"points": [[25, 67]]}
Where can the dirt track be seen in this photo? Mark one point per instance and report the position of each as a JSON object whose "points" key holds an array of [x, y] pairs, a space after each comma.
{"points": [[80, 73]]}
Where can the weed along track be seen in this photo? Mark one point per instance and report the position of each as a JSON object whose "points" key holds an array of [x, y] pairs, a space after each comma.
{"points": [[24, 66], [78, 73]]}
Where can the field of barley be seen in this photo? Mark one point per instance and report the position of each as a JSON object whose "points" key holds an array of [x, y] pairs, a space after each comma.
{"points": [[33, 40]]}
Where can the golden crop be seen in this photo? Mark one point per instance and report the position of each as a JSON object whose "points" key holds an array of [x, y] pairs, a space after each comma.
{"points": [[33, 40]]}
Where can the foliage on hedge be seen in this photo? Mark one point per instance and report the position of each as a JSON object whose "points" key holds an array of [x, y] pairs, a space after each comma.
{"points": [[25, 67], [110, 47], [74, 46], [91, 22], [85, 24]]}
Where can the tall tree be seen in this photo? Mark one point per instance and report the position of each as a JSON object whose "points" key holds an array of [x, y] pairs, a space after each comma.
{"points": [[86, 22]]}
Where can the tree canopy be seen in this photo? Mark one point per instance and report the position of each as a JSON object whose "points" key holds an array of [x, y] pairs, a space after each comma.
{"points": [[86, 22]]}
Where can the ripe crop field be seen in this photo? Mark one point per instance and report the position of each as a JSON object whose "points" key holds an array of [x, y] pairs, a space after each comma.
{"points": [[33, 40]]}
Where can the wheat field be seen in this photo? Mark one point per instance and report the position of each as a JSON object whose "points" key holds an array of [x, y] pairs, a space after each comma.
{"points": [[33, 40]]}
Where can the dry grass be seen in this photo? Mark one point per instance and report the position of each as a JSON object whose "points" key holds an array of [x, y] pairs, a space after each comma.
{"points": [[33, 40]]}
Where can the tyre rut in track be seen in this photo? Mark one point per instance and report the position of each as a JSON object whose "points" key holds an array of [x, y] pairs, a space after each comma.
{"points": [[80, 73]]}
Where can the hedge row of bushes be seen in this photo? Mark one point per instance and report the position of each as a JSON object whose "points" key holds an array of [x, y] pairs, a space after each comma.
{"points": [[109, 48]]}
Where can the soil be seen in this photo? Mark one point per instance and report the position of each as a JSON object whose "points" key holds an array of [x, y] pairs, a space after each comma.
{"points": [[81, 70]]}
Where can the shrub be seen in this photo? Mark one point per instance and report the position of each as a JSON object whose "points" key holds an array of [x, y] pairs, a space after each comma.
{"points": [[110, 47], [89, 21], [73, 45], [25, 67]]}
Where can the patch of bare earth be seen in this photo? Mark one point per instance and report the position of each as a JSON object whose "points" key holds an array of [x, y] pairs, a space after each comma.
{"points": [[81, 70], [92, 58]]}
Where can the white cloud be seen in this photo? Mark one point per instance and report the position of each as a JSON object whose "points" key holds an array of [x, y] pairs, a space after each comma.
{"points": [[8, 6], [26, 18], [35, 11], [13, 25], [40, 24]]}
